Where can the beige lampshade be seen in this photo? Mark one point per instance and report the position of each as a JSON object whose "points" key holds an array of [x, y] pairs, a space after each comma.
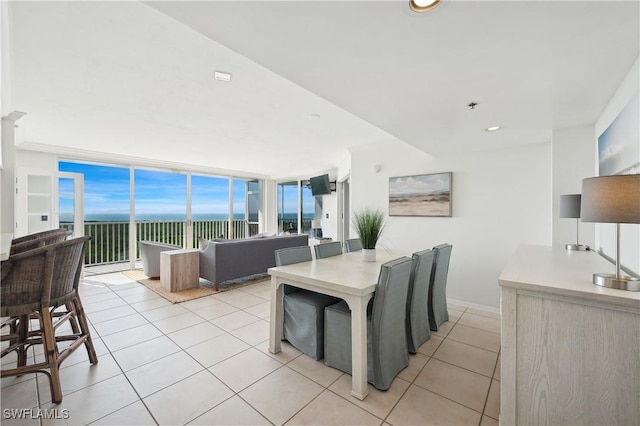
{"points": [[611, 199], [570, 205], [316, 224]]}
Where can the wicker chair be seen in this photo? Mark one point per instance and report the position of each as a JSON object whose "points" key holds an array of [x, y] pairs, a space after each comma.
{"points": [[37, 283], [40, 239], [37, 235]]}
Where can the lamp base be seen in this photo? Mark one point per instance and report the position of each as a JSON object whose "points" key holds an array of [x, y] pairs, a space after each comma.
{"points": [[578, 247], [622, 282]]}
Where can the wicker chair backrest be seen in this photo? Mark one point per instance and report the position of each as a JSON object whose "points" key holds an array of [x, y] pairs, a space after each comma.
{"points": [[44, 276], [47, 237], [68, 269]]}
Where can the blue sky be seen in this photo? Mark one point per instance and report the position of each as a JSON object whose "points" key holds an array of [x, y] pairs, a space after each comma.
{"points": [[106, 191]]}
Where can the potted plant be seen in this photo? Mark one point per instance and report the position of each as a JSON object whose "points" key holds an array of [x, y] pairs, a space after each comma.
{"points": [[369, 224]]}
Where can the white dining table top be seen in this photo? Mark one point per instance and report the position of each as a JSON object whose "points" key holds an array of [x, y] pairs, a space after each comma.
{"points": [[347, 273]]}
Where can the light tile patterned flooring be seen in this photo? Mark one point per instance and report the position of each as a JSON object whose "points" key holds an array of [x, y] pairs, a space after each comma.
{"points": [[206, 362]]}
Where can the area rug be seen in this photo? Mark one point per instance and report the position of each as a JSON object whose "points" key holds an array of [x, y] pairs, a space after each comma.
{"points": [[205, 289]]}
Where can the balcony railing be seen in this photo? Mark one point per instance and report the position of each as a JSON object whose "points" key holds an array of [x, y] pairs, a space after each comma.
{"points": [[110, 240]]}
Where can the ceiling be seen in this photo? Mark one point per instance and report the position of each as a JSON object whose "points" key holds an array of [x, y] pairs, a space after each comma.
{"points": [[136, 79]]}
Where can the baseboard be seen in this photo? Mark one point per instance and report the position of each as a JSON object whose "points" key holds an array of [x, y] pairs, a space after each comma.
{"points": [[474, 306]]}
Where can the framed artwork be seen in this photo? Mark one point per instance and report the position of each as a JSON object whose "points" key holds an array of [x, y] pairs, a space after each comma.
{"points": [[619, 144], [420, 195]]}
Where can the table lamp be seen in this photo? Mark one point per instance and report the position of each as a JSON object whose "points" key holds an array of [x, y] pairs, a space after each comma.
{"points": [[315, 225], [612, 199], [570, 208]]}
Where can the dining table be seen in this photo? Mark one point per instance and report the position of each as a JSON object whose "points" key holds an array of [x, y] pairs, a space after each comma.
{"points": [[345, 276]]}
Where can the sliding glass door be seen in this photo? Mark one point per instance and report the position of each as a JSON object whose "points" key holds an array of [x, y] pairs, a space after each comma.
{"points": [[288, 212], [209, 208], [160, 206], [297, 207]]}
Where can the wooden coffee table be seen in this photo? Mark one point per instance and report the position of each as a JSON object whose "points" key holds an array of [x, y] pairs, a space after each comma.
{"points": [[179, 269]]}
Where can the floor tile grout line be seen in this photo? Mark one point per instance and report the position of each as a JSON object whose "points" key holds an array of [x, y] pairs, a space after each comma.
{"points": [[432, 391], [463, 368], [443, 396], [125, 377], [470, 344], [163, 334], [181, 349]]}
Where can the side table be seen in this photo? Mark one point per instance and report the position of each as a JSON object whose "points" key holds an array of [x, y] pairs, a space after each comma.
{"points": [[179, 269]]}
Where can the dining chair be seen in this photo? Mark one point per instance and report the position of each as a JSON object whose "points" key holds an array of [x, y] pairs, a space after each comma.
{"points": [[37, 235], [387, 353], [438, 312], [29, 242], [35, 283], [303, 315], [418, 329], [354, 244], [328, 250]]}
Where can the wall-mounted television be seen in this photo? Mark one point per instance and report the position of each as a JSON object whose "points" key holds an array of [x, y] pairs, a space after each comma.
{"points": [[320, 185]]}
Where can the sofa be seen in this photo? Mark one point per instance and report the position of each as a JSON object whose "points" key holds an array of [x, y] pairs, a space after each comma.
{"points": [[150, 254], [223, 260]]}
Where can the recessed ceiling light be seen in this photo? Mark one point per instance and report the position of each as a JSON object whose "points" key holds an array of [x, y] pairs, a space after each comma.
{"points": [[222, 76], [314, 115], [492, 128], [423, 5]]}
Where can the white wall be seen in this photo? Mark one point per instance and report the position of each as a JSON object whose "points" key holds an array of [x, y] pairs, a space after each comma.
{"points": [[330, 216], [629, 233], [501, 199], [573, 160]]}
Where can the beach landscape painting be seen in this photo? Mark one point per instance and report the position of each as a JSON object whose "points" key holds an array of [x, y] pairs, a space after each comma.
{"points": [[420, 195]]}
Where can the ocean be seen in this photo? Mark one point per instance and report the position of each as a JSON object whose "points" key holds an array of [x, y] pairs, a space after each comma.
{"points": [[161, 217]]}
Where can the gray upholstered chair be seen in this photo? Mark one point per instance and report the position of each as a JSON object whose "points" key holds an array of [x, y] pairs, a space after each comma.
{"points": [[438, 312], [150, 253], [386, 332], [418, 330], [303, 309], [353, 244], [328, 250]]}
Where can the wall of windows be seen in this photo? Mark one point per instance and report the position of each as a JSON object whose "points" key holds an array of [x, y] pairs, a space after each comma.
{"points": [[173, 207]]}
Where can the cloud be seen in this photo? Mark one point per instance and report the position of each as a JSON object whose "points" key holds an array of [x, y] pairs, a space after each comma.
{"points": [[423, 184]]}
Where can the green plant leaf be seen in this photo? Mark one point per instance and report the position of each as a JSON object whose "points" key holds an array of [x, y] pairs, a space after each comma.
{"points": [[369, 224]]}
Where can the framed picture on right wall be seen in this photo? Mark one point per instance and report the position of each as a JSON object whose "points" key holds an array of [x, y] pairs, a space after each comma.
{"points": [[619, 144]]}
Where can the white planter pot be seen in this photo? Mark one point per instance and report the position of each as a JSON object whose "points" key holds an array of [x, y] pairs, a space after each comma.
{"points": [[369, 255]]}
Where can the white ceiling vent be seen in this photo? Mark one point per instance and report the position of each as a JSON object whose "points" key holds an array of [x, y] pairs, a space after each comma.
{"points": [[222, 76]]}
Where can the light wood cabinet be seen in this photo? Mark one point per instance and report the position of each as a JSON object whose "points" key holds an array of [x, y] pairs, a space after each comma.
{"points": [[570, 349]]}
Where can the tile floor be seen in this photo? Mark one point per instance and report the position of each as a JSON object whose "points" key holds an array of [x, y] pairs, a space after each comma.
{"points": [[206, 362]]}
